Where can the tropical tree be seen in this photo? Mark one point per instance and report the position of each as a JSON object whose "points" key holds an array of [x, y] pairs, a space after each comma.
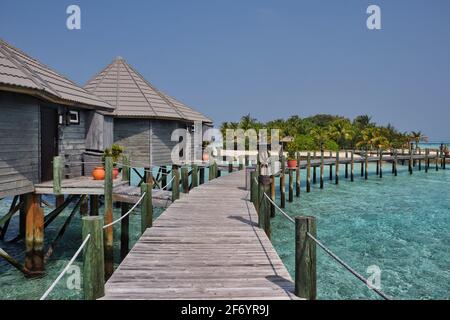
{"points": [[320, 137], [417, 137], [341, 131]]}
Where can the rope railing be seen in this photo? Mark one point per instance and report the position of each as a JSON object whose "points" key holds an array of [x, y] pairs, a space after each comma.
{"points": [[330, 253], [168, 183], [75, 256], [126, 214]]}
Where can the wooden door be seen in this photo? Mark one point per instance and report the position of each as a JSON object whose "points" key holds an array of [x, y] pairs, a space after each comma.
{"points": [[49, 141]]}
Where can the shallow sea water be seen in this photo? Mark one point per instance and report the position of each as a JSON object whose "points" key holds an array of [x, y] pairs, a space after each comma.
{"points": [[400, 224]]}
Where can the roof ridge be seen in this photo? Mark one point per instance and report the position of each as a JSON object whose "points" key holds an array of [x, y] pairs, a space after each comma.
{"points": [[127, 67], [160, 94]]}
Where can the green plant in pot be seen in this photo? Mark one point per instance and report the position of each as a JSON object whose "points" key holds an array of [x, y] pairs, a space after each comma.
{"points": [[291, 149], [115, 152]]}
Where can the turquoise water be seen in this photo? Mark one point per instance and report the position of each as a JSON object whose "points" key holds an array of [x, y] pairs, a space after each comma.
{"points": [[433, 145], [13, 285], [400, 224]]}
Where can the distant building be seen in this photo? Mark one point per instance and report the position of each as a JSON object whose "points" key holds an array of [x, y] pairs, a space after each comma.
{"points": [[42, 114], [144, 117]]}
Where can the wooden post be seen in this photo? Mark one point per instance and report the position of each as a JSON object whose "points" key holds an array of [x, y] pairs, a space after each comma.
{"points": [[352, 166], [427, 161], [366, 173], [337, 167], [346, 164], [308, 173], [230, 167], [185, 179], [202, 175], [283, 183], [395, 163], [437, 160], [378, 162], [109, 234], [420, 159], [264, 210], [124, 231], [126, 170], [362, 163], [305, 258], [254, 188], [410, 163], [297, 177], [380, 165], [164, 177], [146, 207], [175, 183], [58, 168], [322, 168], [93, 263], [93, 205], [272, 196], [84, 207], [291, 185], [314, 170], [194, 176], [34, 235]]}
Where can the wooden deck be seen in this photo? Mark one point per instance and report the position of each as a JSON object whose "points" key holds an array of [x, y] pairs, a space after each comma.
{"points": [[206, 245], [77, 186]]}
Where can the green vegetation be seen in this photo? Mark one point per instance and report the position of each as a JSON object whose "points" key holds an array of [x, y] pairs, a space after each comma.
{"points": [[115, 152], [328, 132]]}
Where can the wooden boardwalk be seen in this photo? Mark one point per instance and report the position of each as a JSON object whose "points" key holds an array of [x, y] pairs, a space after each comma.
{"points": [[205, 246]]}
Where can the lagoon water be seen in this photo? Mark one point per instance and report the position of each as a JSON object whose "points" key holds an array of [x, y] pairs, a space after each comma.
{"points": [[398, 223]]}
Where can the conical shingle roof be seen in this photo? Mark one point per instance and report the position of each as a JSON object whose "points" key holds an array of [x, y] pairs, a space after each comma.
{"points": [[20, 72], [134, 97]]}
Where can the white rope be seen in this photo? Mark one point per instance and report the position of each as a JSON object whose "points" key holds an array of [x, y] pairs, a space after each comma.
{"points": [[168, 183], [126, 214], [66, 268], [256, 181], [279, 209]]}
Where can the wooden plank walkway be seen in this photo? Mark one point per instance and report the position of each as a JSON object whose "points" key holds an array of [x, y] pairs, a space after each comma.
{"points": [[204, 246]]}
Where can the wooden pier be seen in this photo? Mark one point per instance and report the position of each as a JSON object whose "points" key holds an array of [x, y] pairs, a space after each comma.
{"points": [[206, 245]]}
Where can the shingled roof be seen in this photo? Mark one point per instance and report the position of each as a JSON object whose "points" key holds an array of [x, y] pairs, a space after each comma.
{"points": [[134, 97], [21, 73]]}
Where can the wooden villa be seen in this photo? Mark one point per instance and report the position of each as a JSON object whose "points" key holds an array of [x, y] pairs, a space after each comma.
{"points": [[144, 117], [43, 114]]}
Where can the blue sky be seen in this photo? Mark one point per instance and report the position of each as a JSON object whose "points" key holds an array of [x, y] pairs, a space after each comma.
{"points": [[272, 59]]}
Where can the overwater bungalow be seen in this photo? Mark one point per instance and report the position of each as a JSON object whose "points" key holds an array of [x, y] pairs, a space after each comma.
{"points": [[143, 117], [43, 114]]}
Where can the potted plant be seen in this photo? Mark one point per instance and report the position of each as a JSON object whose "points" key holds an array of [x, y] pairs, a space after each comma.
{"points": [[205, 155], [115, 153], [291, 149]]}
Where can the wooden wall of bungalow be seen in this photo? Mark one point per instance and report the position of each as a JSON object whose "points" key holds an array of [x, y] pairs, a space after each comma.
{"points": [[22, 147]]}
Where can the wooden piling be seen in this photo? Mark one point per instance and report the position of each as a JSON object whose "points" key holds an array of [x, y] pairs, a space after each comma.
{"points": [[420, 159], [322, 168], [298, 176], [175, 183], [314, 169], [337, 168], [93, 263], [194, 176], [264, 209], [108, 232], [126, 170], [58, 169], [272, 196], [380, 164], [305, 258], [254, 188], [283, 183], [164, 177], [352, 166], [291, 185], [362, 163], [308, 172], [230, 167], [124, 231], [93, 205], [34, 235], [185, 179], [146, 207], [410, 162], [395, 163], [346, 164], [366, 166]]}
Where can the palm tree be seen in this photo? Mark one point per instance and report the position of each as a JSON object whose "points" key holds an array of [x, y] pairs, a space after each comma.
{"points": [[342, 132], [417, 137], [373, 138], [363, 121], [320, 136]]}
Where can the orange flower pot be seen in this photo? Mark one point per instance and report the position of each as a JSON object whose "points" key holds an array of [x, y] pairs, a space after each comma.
{"points": [[98, 173], [115, 173], [292, 163], [205, 157]]}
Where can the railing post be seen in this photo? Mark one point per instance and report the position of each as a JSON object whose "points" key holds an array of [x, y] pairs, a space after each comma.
{"points": [[308, 173], [175, 183], [211, 172], [381, 164], [109, 234], [352, 166], [272, 196], [230, 167], [58, 169], [420, 159], [93, 258], [185, 179], [305, 258], [297, 176], [427, 161], [146, 207], [125, 168], [395, 163], [283, 182], [366, 166], [164, 177], [124, 231], [202, 175], [346, 164], [291, 184], [437, 159], [253, 176], [337, 168], [314, 169], [194, 176], [264, 209], [410, 163], [322, 168]]}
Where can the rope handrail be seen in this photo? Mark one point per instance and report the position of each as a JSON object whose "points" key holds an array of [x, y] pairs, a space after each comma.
{"points": [[168, 183], [331, 254], [77, 253], [126, 214]]}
